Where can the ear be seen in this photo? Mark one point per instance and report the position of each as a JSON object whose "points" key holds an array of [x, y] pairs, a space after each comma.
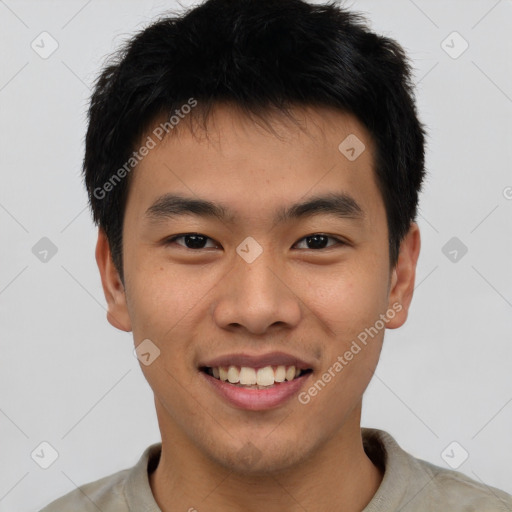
{"points": [[403, 277], [113, 288]]}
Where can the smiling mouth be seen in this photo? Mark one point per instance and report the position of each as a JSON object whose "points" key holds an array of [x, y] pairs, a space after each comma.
{"points": [[255, 378]]}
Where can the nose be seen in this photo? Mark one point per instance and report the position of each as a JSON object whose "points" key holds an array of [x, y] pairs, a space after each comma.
{"points": [[257, 297]]}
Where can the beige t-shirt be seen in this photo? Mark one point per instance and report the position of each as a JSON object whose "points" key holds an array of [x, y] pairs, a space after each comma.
{"points": [[409, 485]]}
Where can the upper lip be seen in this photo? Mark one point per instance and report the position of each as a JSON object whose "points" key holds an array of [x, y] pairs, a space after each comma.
{"points": [[257, 361]]}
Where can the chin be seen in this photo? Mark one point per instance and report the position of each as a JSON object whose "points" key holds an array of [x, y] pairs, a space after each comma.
{"points": [[260, 458]]}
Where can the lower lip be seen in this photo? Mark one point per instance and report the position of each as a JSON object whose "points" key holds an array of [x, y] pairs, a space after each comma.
{"points": [[257, 399]]}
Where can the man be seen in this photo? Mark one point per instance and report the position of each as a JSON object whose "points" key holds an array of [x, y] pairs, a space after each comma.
{"points": [[254, 168]]}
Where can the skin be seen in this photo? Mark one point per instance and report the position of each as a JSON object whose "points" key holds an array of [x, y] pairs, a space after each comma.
{"points": [[197, 304]]}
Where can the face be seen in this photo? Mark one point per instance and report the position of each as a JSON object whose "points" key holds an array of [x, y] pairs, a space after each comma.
{"points": [[258, 282]]}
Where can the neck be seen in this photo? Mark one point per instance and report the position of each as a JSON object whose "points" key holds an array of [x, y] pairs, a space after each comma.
{"points": [[337, 476]]}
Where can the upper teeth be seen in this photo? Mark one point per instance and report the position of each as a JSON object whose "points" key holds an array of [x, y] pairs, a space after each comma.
{"points": [[245, 375]]}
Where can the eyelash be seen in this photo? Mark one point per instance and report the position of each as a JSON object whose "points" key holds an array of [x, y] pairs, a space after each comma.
{"points": [[339, 242]]}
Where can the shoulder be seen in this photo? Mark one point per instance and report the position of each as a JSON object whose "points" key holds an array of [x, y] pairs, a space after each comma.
{"points": [[106, 494], [457, 491], [123, 491], [412, 484]]}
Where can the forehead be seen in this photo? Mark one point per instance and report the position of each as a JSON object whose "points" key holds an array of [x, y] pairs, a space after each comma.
{"points": [[228, 128], [243, 162]]}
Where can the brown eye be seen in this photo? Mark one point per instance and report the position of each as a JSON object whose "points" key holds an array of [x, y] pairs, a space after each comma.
{"points": [[191, 241], [319, 241]]}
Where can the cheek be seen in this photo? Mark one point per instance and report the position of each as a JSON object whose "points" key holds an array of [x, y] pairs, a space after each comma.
{"points": [[348, 300], [352, 347], [159, 299]]}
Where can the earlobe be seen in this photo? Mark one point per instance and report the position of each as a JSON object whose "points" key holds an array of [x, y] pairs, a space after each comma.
{"points": [[403, 277], [113, 288]]}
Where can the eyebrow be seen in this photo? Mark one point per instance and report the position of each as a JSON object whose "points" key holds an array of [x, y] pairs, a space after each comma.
{"points": [[340, 205]]}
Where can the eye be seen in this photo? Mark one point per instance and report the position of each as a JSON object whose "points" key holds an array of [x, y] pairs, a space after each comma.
{"points": [[192, 241], [197, 241], [319, 241]]}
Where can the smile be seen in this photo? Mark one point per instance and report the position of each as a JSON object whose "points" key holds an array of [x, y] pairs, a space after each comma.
{"points": [[255, 378]]}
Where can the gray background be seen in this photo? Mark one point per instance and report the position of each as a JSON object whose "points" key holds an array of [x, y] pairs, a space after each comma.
{"points": [[68, 378]]}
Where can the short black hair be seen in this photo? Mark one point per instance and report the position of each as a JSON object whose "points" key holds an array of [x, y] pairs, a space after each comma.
{"points": [[263, 56]]}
